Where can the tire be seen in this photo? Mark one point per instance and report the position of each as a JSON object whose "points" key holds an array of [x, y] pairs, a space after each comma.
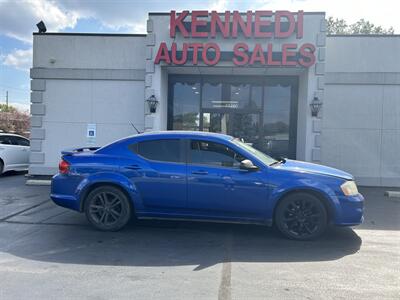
{"points": [[107, 208], [1, 167], [301, 216]]}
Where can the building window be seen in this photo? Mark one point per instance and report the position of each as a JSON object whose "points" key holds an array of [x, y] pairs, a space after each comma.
{"points": [[186, 105], [262, 110]]}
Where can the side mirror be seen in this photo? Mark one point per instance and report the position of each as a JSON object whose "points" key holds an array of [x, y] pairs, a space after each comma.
{"points": [[248, 165]]}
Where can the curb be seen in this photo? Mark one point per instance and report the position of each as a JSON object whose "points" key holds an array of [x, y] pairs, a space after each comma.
{"points": [[394, 195], [38, 182]]}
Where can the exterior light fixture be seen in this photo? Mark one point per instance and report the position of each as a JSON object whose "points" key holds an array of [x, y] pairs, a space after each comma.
{"points": [[315, 106], [152, 102], [41, 27]]}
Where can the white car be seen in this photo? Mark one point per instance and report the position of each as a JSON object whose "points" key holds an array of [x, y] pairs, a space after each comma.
{"points": [[14, 152]]}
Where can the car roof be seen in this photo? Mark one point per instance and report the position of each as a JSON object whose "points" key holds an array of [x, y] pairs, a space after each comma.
{"points": [[184, 134], [11, 134], [164, 134]]}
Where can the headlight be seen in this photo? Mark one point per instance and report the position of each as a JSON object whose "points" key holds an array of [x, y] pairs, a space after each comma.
{"points": [[349, 188]]}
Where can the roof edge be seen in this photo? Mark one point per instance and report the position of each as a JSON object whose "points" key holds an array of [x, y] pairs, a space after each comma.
{"points": [[242, 13], [363, 35], [92, 34]]}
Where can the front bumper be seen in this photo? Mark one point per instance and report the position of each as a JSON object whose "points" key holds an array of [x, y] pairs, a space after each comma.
{"points": [[350, 210]]}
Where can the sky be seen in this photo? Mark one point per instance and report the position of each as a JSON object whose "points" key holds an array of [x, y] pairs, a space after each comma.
{"points": [[18, 20]]}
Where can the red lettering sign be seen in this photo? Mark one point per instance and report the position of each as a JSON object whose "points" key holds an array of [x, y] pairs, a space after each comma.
{"points": [[259, 23], [231, 25], [177, 22], [223, 27], [198, 23]]}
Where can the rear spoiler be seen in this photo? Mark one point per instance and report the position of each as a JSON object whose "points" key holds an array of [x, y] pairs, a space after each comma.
{"points": [[78, 150]]}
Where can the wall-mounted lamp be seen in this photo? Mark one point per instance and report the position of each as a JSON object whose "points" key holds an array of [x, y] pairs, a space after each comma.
{"points": [[315, 106], [152, 102], [41, 27]]}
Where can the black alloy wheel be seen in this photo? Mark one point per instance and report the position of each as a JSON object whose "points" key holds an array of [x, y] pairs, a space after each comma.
{"points": [[301, 216], [107, 208]]}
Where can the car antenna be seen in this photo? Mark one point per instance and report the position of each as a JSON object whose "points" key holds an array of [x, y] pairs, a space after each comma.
{"points": [[135, 128]]}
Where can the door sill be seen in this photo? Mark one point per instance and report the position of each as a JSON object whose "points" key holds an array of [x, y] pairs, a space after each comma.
{"points": [[204, 220]]}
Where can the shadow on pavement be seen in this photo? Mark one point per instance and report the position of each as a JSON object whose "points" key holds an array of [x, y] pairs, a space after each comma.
{"points": [[154, 243], [13, 173]]}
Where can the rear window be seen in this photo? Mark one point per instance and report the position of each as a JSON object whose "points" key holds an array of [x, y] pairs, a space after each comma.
{"points": [[161, 150], [19, 141]]}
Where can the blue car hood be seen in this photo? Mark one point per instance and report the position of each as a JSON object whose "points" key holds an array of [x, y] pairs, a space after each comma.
{"points": [[306, 167]]}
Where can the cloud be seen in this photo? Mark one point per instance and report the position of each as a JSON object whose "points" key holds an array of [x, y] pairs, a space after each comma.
{"points": [[19, 59], [219, 5], [22, 107], [118, 15], [18, 18], [380, 13]]}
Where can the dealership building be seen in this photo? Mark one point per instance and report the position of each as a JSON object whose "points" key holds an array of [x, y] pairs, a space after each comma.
{"points": [[275, 79]]}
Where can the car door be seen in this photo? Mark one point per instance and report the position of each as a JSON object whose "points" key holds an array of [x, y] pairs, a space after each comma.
{"points": [[217, 187], [158, 170], [24, 146], [19, 152], [8, 152]]}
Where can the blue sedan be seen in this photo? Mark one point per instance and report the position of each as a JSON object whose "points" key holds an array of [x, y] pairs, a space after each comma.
{"points": [[207, 177]]}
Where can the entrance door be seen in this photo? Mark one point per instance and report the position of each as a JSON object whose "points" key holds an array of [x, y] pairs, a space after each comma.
{"points": [[237, 123], [262, 110]]}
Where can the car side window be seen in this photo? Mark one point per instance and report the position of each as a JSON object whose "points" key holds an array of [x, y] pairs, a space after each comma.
{"points": [[5, 140], [20, 141], [24, 142], [213, 154], [162, 150]]}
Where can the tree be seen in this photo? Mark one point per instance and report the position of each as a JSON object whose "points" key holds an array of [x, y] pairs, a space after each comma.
{"points": [[13, 120], [362, 26], [7, 108]]}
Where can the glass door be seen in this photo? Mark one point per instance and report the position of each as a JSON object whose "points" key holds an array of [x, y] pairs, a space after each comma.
{"points": [[238, 123], [262, 110]]}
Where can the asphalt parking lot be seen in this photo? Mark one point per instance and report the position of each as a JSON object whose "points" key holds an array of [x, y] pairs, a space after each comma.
{"points": [[49, 252]]}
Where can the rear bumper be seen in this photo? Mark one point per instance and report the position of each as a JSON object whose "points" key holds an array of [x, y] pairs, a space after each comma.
{"points": [[65, 201], [351, 210], [63, 191]]}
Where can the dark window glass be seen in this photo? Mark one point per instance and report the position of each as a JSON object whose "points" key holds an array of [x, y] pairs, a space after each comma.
{"points": [[212, 95], [277, 101], [14, 140], [20, 141], [256, 97], [162, 150], [186, 106], [5, 140], [213, 154], [240, 96]]}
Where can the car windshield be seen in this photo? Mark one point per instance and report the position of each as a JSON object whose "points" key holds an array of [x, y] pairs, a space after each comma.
{"points": [[260, 155]]}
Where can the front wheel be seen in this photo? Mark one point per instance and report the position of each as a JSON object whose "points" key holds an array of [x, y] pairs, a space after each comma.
{"points": [[107, 208], [301, 216]]}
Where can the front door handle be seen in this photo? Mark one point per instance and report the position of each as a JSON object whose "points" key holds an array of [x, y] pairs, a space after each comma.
{"points": [[200, 172]]}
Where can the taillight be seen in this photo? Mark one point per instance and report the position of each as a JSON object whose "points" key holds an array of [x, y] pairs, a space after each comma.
{"points": [[63, 167]]}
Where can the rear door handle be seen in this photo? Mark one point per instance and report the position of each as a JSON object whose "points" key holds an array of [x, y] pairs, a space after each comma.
{"points": [[133, 167], [200, 172]]}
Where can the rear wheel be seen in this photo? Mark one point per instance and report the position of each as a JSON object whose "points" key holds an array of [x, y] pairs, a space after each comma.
{"points": [[1, 167], [301, 216], [107, 208]]}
